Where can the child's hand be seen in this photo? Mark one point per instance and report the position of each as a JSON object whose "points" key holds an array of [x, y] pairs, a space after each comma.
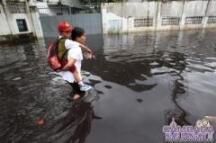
{"points": [[93, 57], [88, 50], [89, 56]]}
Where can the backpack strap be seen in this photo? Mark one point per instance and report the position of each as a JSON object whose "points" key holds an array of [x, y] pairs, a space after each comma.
{"points": [[61, 50], [63, 56], [56, 49]]}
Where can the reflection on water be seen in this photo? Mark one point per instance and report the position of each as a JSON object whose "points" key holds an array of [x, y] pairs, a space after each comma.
{"points": [[74, 126], [143, 80]]}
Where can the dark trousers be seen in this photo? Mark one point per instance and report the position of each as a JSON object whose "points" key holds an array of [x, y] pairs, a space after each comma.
{"points": [[76, 89]]}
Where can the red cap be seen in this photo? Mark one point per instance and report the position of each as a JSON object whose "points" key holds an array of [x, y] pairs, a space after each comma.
{"points": [[64, 26]]}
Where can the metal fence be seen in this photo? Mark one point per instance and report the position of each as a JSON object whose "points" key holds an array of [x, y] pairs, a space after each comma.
{"points": [[170, 20], [146, 22], [194, 20], [211, 19]]}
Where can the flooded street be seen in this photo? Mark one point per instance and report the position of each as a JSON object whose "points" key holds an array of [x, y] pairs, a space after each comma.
{"points": [[142, 80]]}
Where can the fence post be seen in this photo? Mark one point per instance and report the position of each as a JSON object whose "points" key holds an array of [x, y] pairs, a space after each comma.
{"points": [[8, 16], [182, 21], [158, 17], [104, 17], [205, 19]]}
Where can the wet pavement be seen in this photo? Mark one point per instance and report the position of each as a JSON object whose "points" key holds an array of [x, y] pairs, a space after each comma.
{"points": [[142, 80]]}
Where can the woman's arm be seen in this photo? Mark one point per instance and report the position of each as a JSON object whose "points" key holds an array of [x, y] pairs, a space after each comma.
{"points": [[85, 48]]}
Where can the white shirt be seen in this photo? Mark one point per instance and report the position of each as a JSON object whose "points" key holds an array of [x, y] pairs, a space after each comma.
{"points": [[75, 52]]}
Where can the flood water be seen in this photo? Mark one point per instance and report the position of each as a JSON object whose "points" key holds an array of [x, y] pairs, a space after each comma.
{"points": [[142, 80]]}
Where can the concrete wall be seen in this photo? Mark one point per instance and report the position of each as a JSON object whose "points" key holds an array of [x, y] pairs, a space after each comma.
{"points": [[12, 17], [193, 9], [9, 25], [172, 15], [173, 9], [119, 17], [4, 30], [36, 22], [13, 24], [211, 11], [137, 9]]}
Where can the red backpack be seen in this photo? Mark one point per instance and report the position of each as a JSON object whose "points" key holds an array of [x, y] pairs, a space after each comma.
{"points": [[53, 60]]}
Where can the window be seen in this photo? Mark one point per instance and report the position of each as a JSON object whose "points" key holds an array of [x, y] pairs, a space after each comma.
{"points": [[170, 20], [194, 20], [146, 22], [211, 19], [16, 7], [22, 26]]}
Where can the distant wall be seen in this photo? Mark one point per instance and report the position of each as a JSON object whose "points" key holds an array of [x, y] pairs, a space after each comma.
{"points": [[90, 22], [211, 11], [157, 15]]}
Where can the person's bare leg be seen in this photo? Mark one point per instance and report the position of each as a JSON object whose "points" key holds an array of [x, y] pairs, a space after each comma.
{"points": [[77, 76], [78, 79], [76, 97]]}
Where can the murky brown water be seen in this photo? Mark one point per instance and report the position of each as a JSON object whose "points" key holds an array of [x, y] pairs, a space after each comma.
{"points": [[143, 80]]}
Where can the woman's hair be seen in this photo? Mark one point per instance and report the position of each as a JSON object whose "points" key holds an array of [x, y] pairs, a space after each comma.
{"points": [[77, 32]]}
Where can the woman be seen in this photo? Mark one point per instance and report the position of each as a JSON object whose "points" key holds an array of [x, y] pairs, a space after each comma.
{"points": [[74, 59]]}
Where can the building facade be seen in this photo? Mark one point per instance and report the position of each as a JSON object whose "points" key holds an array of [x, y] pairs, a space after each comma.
{"points": [[19, 18]]}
